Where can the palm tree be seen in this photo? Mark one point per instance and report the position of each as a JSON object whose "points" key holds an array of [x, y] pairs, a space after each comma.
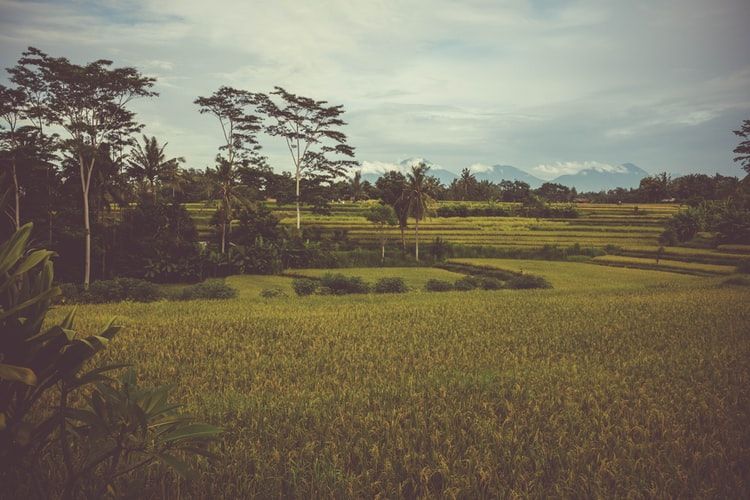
{"points": [[355, 186], [466, 180], [226, 185], [148, 163], [416, 200]]}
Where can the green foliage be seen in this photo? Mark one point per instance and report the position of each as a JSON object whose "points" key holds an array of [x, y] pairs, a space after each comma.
{"points": [[209, 289], [467, 283], [340, 284], [304, 286], [737, 281], [124, 430], [526, 281], [488, 283], [743, 267], [114, 290], [436, 285], [390, 285]]}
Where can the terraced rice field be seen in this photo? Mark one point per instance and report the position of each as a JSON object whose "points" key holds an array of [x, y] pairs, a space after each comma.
{"points": [[598, 226]]}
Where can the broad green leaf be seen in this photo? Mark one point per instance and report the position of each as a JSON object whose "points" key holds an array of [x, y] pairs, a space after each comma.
{"points": [[192, 431], [17, 374]]}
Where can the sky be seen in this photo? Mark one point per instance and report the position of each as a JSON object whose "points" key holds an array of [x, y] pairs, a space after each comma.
{"points": [[548, 86]]}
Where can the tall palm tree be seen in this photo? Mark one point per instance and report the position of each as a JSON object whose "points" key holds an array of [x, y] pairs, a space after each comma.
{"points": [[149, 164], [226, 185], [466, 178], [416, 199], [355, 186]]}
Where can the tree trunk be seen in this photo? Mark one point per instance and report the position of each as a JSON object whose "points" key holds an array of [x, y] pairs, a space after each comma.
{"points": [[403, 238], [299, 221], [416, 238], [382, 249], [17, 190], [85, 185], [87, 235]]}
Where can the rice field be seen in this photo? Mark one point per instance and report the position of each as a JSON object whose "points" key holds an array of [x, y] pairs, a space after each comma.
{"points": [[617, 382], [598, 225]]}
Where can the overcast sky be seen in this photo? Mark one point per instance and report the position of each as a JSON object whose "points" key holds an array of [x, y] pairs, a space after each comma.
{"points": [[543, 85]]}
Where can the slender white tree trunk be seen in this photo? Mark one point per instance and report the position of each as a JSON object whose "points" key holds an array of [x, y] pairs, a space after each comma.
{"points": [[86, 174], [17, 190], [299, 217], [87, 234], [416, 238], [382, 249]]}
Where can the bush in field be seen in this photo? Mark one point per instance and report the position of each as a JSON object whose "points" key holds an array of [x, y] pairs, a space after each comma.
{"points": [[743, 267], [139, 290], [304, 286], [435, 285], [343, 285], [270, 293], [525, 281], [105, 291], [737, 281], [491, 284], [115, 290], [467, 283], [210, 289], [390, 285]]}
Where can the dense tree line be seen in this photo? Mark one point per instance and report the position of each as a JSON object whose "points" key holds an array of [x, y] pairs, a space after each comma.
{"points": [[109, 205]]}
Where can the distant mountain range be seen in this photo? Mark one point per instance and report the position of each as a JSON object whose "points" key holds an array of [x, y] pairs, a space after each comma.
{"points": [[596, 177]]}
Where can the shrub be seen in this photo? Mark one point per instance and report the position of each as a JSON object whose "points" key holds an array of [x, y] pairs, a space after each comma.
{"points": [[435, 285], [70, 292], [743, 267], [341, 285], [209, 289], [491, 284], [304, 286], [106, 291], [466, 283], [390, 285], [139, 290], [115, 290], [525, 281], [737, 281], [270, 293]]}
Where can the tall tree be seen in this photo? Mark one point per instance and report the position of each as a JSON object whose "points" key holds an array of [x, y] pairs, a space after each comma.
{"points": [[12, 114], [416, 199], [743, 148], [467, 181], [148, 163], [30, 79], [225, 182], [356, 189], [235, 110], [389, 188], [90, 103], [381, 216], [311, 130]]}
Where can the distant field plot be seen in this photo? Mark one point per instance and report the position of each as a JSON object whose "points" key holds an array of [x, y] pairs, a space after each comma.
{"points": [[668, 265], [585, 277]]}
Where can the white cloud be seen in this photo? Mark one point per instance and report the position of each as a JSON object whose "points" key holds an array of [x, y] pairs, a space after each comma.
{"points": [[480, 81]]}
